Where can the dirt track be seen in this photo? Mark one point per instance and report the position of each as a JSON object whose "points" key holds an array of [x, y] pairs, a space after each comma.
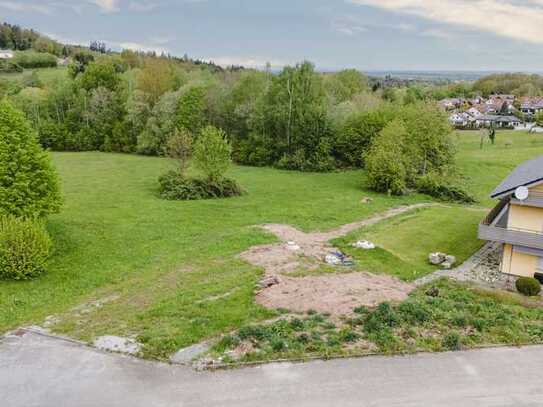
{"points": [[336, 294]]}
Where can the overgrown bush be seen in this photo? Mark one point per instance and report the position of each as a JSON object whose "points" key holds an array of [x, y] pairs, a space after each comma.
{"points": [[24, 248], [176, 186], [528, 286], [31, 60], [452, 341], [8, 66], [444, 188], [29, 185]]}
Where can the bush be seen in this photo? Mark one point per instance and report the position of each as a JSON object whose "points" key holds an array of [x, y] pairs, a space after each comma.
{"points": [[24, 248], [175, 186], [212, 153], [442, 188], [528, 286], [452, 341], [31, 59], [28, 182], [7, 66]]}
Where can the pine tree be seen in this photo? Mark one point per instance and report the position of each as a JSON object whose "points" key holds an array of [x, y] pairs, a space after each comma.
{"points": [[29, 184]]}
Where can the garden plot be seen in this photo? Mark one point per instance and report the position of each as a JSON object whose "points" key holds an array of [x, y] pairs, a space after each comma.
{"points": [[336, 294]]}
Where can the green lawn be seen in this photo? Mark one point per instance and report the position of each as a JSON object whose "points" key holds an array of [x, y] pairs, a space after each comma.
{"points": [[170, 269], [485, 168], [47, 75], [405, 241]]}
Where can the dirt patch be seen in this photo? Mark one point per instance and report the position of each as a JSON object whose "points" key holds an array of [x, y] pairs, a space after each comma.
{"points": [[336, 294]]}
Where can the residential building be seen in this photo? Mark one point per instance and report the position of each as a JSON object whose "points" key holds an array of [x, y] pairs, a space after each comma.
{"points": [[6, 54], [517, 221]]}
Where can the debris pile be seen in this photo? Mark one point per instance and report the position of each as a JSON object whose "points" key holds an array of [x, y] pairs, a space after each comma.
{"points": [[337, 258], [446, 261]]}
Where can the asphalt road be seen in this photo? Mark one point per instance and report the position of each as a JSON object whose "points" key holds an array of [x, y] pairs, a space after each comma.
{"points": [[40, 371]]}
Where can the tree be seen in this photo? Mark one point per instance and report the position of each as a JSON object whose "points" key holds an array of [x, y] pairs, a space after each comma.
{"points": [[156, 78], [81, 60], [100, 74], [387, 164], [212, 153], [191, 110], [179, 147], [29, 185]]}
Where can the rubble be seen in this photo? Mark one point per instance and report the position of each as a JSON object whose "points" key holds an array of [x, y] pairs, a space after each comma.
{"points": [[364, 244]]}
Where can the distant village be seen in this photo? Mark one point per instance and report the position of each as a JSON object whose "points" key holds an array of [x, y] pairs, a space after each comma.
{"points": [[496, 111]]}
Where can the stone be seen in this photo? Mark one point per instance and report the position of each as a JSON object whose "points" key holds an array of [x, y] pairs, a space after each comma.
{"points": [[446, 265], [364, 244], [436, 258], [450, 259], [292, 246], [366, 200], [118, 344], [187, 355], [268, 282]]}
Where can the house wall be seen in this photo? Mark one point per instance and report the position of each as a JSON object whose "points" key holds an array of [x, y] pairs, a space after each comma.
{"points": [[525, 218]]}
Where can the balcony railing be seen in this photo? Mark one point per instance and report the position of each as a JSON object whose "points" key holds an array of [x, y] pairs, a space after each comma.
{"points": [[511, 236]]}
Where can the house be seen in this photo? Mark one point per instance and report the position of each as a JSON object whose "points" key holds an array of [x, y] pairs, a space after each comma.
{"points": [[503, 122], [517, 221], [460, 120], [531, 106], [6, 54]]}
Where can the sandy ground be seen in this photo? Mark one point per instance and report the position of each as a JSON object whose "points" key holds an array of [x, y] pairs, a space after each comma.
{"points": [[336, 294]]}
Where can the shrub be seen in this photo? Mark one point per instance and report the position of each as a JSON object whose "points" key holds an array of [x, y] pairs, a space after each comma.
{"points": [[28, 182], [452, 341], [24, 248], [31, 59], [179, 147], [212, 153], [443, 188], [528, 286], [175, 186], [383, 317]]}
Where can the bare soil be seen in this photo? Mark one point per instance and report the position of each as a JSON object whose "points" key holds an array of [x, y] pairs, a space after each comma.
{"points": [[336, 294]]}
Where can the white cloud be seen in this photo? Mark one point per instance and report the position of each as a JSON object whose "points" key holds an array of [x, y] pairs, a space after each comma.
{"points": [[506, 18], [108, 6], [25, 7], [142, 6]]}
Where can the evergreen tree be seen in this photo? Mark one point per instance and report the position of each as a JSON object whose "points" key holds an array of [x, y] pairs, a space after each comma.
{"points": [[29, 185]]}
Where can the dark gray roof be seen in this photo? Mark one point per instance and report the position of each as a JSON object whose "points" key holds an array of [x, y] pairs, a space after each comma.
{"points": [[526, 173]]}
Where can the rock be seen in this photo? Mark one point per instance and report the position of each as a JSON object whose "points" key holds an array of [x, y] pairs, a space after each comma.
{"points": [[432, 292], [187, 355], [117, 344], [436, 258], [268, 282], [450, 259], [292, 246], [366, 200], [446, 265], [364, 244]]}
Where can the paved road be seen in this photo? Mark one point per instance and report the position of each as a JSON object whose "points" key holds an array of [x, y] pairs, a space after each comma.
{"points": [[40, 371]]}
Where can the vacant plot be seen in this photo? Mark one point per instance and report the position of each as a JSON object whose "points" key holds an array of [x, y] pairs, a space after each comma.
{"points": [[46, 75], [128, 263]]}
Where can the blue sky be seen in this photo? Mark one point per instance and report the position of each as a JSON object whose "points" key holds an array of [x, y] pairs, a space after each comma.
{"points": [[334, 34]]}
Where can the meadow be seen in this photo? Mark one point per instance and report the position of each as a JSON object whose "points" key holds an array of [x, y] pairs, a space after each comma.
{"points": [[169, 273]]}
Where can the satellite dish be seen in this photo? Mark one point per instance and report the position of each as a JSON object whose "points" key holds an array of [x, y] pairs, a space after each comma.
{"points": [[521, 193]]}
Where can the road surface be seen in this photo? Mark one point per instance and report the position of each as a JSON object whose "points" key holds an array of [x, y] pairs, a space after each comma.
{"points": [[40, 371]]}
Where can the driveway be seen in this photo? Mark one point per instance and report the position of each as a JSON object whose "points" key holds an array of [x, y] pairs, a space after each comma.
{"points": [[40, 371]]}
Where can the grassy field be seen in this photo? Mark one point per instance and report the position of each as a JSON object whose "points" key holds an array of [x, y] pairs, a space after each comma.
{"points": [[46, 75], [168, 272]]}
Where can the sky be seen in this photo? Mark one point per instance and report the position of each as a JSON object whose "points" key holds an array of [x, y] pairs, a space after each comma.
{"points": [[469, 35]]}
